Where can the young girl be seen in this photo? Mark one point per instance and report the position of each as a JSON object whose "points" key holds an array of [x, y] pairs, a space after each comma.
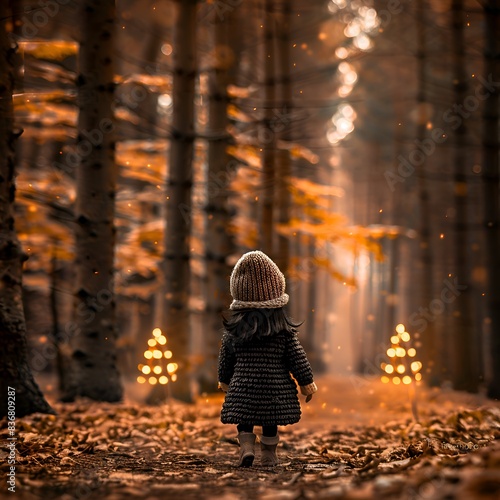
{"points": [[259, 351]]}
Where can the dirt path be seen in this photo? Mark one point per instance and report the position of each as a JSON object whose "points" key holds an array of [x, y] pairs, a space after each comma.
{"points": [[356, 440]]}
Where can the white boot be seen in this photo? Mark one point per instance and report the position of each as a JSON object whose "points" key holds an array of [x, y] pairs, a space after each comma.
{"points": [[268, 450], [247, 448]]}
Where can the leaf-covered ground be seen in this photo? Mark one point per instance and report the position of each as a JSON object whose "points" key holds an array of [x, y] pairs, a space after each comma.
{"points": [[357, 440]]}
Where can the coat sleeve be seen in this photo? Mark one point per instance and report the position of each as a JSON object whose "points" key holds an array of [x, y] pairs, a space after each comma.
{"points": [[227, 360], [299, 366]]}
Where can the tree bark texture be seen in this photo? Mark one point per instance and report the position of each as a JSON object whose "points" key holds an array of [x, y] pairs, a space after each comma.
{"points": [[219, 243], [176, 266], [491, 178], [428, 350], [267, 137], [94, 330], [282, 128], [15, 371], [465, 338]]}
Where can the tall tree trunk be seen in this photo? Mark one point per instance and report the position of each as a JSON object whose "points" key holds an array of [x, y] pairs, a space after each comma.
{"points": [[393, 302], [218, 242], [308, 340], [16, 379], [282, 127], [428, 350], [465, 339], [491, 178], [176, 321], [16, 11], [267, 136], [371, 348], [93, 345], [54, 312], [398, 212]]}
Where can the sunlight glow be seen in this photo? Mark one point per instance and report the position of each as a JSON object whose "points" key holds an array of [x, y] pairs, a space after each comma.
{"points": [[399, 365], [362, 42], [344, 90], [341, 52], [405, 336], [343, 119], [165, 101], [167, 49], [350, 78], [352, 29], [172, 367], [416, 366]]}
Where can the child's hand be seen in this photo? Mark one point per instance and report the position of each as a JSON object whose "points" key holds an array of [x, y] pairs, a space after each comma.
{"points": [[308, 391], [223, 387]]}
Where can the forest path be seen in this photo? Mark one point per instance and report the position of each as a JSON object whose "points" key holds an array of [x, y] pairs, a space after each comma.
{"points": [[356, 440]]}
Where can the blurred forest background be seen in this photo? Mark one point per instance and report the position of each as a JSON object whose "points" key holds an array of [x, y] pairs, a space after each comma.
{"points": [[355, 142]]}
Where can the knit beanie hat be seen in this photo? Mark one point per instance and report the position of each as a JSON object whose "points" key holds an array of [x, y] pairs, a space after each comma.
{"points": [[256, 282]]}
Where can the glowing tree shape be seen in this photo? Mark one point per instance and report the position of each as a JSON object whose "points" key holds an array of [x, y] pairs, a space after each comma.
{"points": [[403, 367], [159, 369]]}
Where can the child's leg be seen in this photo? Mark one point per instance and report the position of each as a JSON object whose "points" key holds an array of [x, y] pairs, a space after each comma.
{"points": [[246, 438], [244, 428], [269, 430], [268, 443]]}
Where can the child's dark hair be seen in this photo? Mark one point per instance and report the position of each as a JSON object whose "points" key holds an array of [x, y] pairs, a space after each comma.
{"points": [[246, 324]]}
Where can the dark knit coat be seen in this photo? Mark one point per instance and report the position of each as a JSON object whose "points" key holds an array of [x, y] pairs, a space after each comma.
{"points": [[261, 389]]}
